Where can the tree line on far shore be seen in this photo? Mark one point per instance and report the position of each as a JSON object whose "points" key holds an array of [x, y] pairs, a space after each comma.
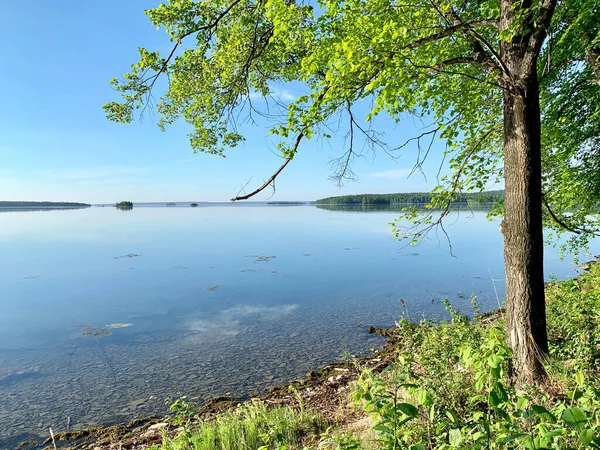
{"points": [[420, 198], [17, 204]]}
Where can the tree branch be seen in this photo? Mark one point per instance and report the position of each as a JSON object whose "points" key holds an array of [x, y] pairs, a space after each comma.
{"points": [[540, 29], [449, 31], [293, 151], [272, 178], [557, 219], [493, 62]]}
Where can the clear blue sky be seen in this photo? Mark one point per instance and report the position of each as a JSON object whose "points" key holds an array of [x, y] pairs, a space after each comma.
{"points": [[55, 143]]}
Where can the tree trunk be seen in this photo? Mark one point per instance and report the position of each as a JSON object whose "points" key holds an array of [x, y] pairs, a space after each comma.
{"points": [[592, 55], [522, 225]]}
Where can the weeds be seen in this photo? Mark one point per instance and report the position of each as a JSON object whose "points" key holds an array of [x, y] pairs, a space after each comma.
{"points": [[251, 426], [449, 389]]}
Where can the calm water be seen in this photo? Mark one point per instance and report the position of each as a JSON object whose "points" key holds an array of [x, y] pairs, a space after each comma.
{"points": [[216, 300]]}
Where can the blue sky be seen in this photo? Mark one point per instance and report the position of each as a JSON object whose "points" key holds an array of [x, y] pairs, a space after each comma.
{"points": [[55, 143]]}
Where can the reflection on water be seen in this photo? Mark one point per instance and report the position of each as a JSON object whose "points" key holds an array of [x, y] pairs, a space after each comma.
{"points": [[233, 321], [106, 315], [399, 207], [38, 209]]}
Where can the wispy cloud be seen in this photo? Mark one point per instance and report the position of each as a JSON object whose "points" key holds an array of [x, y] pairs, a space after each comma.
{"points": [[102, 172], [234, 321], [277, 93], [392, 174]]}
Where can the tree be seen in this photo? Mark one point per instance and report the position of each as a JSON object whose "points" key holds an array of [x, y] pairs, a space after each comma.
{"points": [[468, 66]]}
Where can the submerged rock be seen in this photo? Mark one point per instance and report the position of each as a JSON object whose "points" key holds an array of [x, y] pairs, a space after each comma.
{"points": [[10, 375], [264, 259], [93, 331]]}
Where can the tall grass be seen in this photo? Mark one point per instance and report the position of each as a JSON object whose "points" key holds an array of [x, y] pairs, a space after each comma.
{"points": [[252, 426]]}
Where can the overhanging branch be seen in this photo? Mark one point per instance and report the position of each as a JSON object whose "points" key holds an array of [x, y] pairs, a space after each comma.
{"points": [[557, 219]]}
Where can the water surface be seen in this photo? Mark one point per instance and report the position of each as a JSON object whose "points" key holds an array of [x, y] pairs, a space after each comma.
{"points": [[208, 301]]}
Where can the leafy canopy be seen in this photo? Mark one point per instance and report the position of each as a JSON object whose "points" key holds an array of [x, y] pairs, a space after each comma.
{"points": [[437, 59]]}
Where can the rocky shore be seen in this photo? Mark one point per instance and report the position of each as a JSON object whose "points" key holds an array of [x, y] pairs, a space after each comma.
{"points": [[324, 390]]}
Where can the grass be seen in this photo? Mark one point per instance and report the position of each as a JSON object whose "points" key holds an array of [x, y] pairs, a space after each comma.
{"points": [[252, 426]]}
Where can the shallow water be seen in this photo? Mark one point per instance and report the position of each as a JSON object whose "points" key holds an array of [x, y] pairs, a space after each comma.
{"points": [[208, 301]]}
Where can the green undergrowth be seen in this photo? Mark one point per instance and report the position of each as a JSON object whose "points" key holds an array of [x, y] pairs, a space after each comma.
{"points": [[448, 389], [252, 426]]}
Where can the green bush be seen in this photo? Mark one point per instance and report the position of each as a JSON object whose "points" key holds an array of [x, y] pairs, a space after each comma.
{"points": [[449, 389]]}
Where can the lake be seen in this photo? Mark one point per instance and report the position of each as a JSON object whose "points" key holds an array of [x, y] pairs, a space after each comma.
{"points": [[107, 315]]}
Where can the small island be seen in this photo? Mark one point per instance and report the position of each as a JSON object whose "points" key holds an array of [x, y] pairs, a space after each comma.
{"points": [[124, 205]]}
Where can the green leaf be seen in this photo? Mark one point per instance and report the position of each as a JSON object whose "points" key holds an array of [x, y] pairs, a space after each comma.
{"points": [[586, 437], [451, 414], [554, 433], [408, 409], [501, 392], [494, 399], [455, 437], [540, 411], [424, 398], [512, 437], [574, 417]]}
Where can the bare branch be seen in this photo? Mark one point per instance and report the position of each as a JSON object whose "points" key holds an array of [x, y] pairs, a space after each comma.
{"points": [[271, 179], [344, 171], [243, 188], [438, 69], [449, 31], [563, 224], [540, 29]]}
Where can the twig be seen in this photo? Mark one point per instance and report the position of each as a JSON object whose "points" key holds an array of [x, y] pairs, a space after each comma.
{"points": [[495, 290], [52, 436]]}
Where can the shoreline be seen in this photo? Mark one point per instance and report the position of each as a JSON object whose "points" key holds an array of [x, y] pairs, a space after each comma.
{"points": [[324, 390], [320, 390]]}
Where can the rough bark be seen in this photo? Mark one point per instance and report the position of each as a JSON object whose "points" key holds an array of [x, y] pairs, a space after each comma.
{"points": [[592, 55], [522, 225]]}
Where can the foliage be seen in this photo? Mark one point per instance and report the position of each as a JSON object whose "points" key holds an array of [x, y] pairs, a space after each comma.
{"points": [[574, 323], [253, 425], [570, 81], [450, 389], [439, 60], [470, 69]]}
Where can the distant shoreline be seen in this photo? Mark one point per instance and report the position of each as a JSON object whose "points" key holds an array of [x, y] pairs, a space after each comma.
{"points": [[42, 205]]}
